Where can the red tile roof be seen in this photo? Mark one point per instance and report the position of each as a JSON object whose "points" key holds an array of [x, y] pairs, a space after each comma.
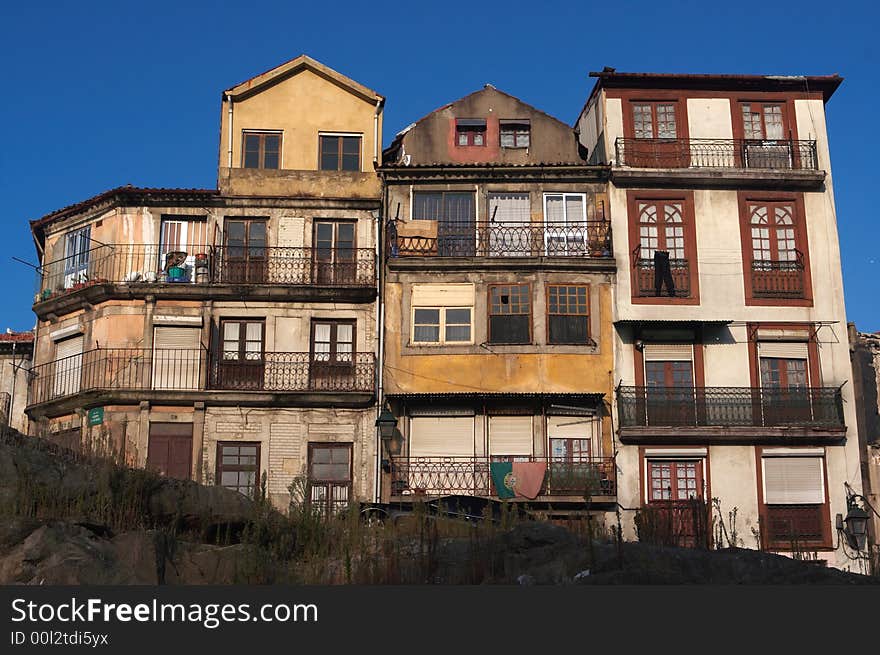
{"points": [[16, 336]]}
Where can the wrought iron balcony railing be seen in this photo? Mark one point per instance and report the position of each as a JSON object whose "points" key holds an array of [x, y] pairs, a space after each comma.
{"points": [[729, 406], [794, 524], [137, 264], [284, 371], [648, 284], [589, 239], [778, 279], [768, 154], [183, 369], [439, 476]]}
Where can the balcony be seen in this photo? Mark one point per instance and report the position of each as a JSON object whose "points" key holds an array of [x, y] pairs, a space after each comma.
{"points": [[778, 279], [647, 282], [268, 272], [423, 477], [730, 415], [490, 244], [739, 162], [123, 375]]}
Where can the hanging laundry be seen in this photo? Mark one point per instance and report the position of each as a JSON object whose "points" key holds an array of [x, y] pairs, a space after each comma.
{"points": [[663, 273]]}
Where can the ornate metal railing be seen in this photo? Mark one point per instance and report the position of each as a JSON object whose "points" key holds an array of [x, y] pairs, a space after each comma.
{"points": [[778, 279], [647, 279], [496, 239], [438, 476], [133, 369], [138, 264], [729, 406], [289, 371], [774, 154], [354, 267], [141, 369]]}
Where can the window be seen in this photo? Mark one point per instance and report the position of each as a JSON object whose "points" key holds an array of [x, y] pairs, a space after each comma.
{"points": [[241, 362], [509, 224], [674, 480], [238, 466], [76, 256], [470, 132], [339, 152], [187, 235], [515, 133], [333, 342], [568, 315], [262, 150], [669, 384], [244, 257], [565, 215], [654, 120], [455, 214], [329, 476], [510, 314], [763, 121], [334, 253], [784, 373], [794, 501], [440, 325]]}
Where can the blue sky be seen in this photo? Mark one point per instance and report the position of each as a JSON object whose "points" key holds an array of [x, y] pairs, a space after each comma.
{"points": [[99, 94]]}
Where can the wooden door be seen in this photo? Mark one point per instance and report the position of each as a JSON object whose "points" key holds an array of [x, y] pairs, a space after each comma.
{"points": [[241, 358], [334, 253], [670, 393], [676, 506], [169, 451], [245, 252]]}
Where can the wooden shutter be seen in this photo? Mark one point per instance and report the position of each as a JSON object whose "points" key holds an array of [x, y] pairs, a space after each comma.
{"points": [[573, 427], [656, 352], [783, 349], [68, 366], [443, 295], [510, 435], [441, 436], [176, 357], [793, 481]]}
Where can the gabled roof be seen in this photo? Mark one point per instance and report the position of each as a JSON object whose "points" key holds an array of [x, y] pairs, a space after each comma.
{"points": [[289, 68], [398, 138]]}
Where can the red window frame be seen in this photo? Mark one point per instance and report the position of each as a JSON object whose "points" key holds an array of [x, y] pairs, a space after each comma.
{"points": [[469, 131], [678, 469]]}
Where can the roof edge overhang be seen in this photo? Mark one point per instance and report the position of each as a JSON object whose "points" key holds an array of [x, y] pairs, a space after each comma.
{"points": [[593, 397], [609, 78], [258, 83]]}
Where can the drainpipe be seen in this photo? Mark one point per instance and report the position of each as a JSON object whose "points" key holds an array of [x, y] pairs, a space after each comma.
{"points": [[380, 336], [376, 132], [229, 129]]}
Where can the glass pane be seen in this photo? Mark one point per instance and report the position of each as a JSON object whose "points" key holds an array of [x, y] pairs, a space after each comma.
{"points": [[458, 332], [344, 333], [427, 316], [555, 210], [322, 332], [426, 334], [329, 153], [507, 139], [230, 331], [427, 206], [254, 332], [458, 316]]}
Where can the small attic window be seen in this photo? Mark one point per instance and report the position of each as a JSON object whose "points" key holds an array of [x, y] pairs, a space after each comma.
{"points": [[470, 131], [515, 133]]}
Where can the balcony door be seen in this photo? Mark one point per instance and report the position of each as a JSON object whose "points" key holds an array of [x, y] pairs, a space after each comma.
{"points": [[455, 214], [245, 254], [334, 253], [764, 134], [656, 143], [676, 505], [185, 238], [241, 361], [785, 375], [176, 357], [68, 373], [565, 228], [76, 256], [332, 355], [669, 384], [508, 232], [777, 264], [330, 477], [662, 245]]}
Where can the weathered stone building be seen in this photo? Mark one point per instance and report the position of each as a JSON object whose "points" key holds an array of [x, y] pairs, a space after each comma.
{"points": [[865, 350], [16, 353], [228, 335]]}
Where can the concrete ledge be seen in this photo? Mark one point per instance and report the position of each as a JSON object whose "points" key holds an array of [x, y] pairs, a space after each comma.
{"points": [[733, 435], [432, 263], [734, 178]]}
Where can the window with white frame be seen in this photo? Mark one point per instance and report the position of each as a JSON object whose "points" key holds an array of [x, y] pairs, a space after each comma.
{"points": [[565, 217], [442, 314]]}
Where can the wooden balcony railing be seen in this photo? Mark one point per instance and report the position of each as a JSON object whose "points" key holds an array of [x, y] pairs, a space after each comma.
{"points": [[794, 525], [729, 406], [139, 264], [439, 476], [647, 282], [141, 369], [590, 239], [778, 279], [768, 154]]}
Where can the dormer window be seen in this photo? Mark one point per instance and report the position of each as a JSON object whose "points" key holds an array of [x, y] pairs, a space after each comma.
{"points": [[515, 133], [470, 131]]}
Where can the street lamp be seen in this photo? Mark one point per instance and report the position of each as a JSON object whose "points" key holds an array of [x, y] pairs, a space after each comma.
{"points": [[387, 424], [856, 522]]}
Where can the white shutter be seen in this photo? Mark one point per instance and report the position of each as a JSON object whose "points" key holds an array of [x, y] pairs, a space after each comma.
{"points": [[783, 349], [793, 480], [176, 357], [509, 208], [444, 436], [658, 352], [443, 295], [510, 435], [68, 366]]}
